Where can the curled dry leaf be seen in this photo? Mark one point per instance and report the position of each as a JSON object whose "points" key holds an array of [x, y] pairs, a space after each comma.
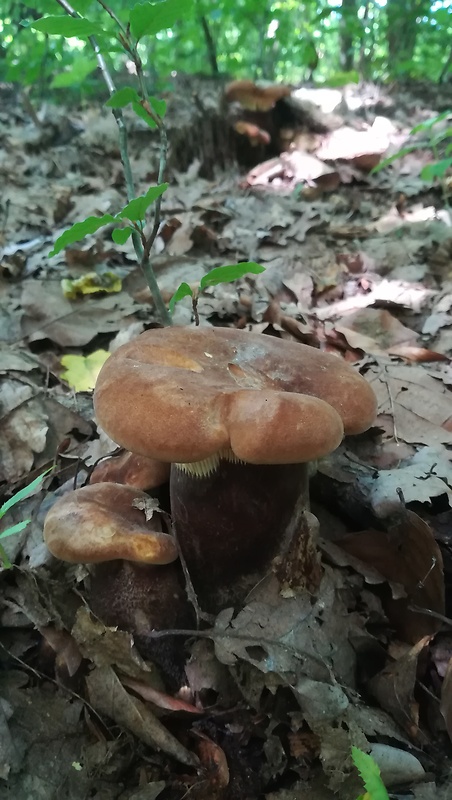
{"points": [[394, 686], [108, 696], [159, 699], [407, 554]]}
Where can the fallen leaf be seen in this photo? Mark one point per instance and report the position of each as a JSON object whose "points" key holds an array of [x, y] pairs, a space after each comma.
{"points": [[394, 686], [91, 283], [108, 696], [409, 555], [81, 371]]}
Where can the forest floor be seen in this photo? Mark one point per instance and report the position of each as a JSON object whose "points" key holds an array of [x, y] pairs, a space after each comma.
{"points": [[278, 690]]}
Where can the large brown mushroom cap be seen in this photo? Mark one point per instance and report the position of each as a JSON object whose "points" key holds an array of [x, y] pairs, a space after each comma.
{"points": [[185, 394], [102, 523]]}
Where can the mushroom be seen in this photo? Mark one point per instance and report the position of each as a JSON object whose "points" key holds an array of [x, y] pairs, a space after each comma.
{"points": [[239, 416], [255, 98], [132, 470], [135, 585]]}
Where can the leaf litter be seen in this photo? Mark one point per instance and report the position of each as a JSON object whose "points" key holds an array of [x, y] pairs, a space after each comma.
{"points": [[278, 689]]}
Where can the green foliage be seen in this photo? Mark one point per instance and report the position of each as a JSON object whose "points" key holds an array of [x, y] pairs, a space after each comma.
{"points": [[135, 211], [432, 141], [147, 19], [218, 275], [68, 27], [276, 40], [19, 526], [370, 774]]}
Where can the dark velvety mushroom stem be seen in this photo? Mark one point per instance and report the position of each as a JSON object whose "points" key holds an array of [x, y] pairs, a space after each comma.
{"points": [[237, 518], [141, 598]]}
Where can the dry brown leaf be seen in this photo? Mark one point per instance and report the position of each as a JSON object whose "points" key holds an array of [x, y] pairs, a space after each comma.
{"points": [[417, 405], [394, 687], [446, 699], [214, 762], [409, 555], [47, 314], [159, 699], [374, 331], [108, 696]]}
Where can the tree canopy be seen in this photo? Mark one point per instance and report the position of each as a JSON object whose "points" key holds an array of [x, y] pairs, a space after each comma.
{"points": [[324, 40]]}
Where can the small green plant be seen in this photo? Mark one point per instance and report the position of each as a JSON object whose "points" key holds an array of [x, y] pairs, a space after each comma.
{"points": [[19, 526], [370, 774], [431, 140], [144, 19]]}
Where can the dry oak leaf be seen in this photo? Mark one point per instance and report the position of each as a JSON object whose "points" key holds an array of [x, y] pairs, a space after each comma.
{"points": [[108, 696], [418, 405]]}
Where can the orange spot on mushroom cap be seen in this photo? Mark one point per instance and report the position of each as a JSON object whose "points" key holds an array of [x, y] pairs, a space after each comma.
{"points": [[174, 414], [101, 522]]}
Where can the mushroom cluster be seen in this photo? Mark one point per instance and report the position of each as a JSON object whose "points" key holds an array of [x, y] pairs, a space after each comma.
{"points": [[238, 416]]}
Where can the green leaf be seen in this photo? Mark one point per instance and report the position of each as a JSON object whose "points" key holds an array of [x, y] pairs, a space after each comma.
{"points": [[76, 74], [436, 170], [79, 231], [342, 78], [82, 371], [15, 529], [429, 123], [158, 105], [143, 114], [147, 19], [230, 273], [120, 235], [67, 26], [16, 498], [400, 153], [370, 774], [184, 290], [136, 209], [123, 97], [6, 563]]}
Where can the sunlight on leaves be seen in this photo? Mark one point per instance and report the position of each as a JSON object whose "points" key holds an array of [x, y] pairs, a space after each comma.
{"points": [[81, 371]]}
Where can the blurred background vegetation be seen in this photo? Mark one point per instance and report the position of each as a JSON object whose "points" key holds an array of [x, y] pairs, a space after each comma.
{"points": [[278, 40]]}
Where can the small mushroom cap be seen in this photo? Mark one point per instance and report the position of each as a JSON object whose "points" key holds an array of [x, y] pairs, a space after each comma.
{"points": [[131, 470], [101, 522], [184, 394], [255, 98]]}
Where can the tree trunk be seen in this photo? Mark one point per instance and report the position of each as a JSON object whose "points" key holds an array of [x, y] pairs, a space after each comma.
{"points": [[347, 36], [210, 45]]}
